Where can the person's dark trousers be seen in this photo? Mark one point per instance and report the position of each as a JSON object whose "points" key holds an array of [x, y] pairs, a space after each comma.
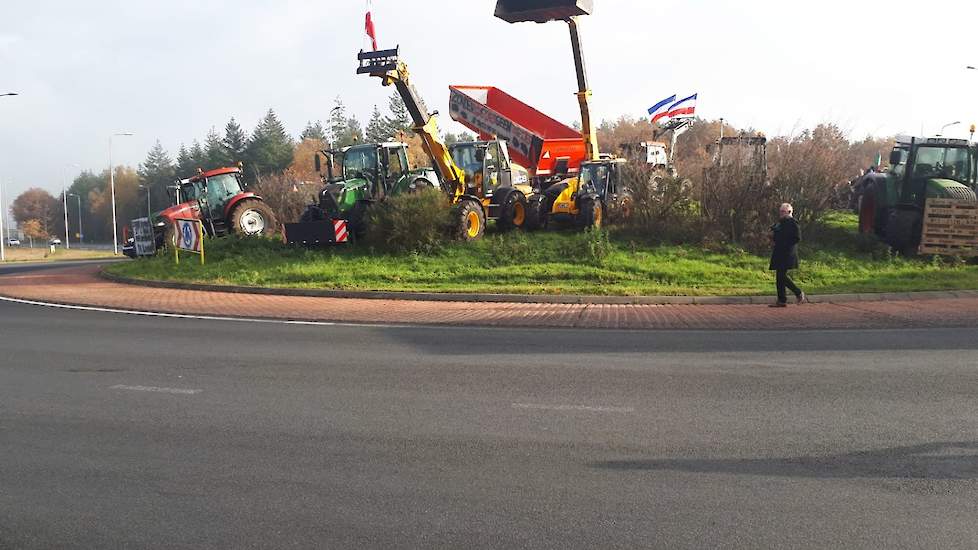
{"points": [[784, 281]]}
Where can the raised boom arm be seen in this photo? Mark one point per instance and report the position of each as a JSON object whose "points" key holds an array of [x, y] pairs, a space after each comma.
{"points": [[386, 65]]}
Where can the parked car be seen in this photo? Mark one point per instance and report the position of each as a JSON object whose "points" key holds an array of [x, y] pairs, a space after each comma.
{"points": [[13, 241], [55, 241]]}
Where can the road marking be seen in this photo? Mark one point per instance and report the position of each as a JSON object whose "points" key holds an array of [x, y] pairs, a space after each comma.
{"points": [[587, 408], [155, 389]]}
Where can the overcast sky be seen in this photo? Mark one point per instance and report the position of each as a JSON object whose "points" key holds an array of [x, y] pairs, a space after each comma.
{"points": [[172, 69]]}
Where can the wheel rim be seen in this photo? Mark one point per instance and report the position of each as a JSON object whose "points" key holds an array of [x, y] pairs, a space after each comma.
{"points": [[252, 222], [519, 214], [472, 224]]}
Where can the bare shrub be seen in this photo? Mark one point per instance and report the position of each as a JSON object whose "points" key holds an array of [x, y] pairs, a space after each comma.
{"points": [[735, 196], [287, 195], [662, 205], [811, 170], [410, 223]]}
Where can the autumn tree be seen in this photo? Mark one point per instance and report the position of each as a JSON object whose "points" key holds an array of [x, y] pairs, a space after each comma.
{"points": [[130, 204], [33, 230], [39, 205]]}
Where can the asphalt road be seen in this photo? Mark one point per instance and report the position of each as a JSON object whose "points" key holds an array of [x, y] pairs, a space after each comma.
{"points": [[120, 431]]}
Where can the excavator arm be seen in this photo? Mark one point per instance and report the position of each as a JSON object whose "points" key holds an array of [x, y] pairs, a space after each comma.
{"points": [[387, 66]]}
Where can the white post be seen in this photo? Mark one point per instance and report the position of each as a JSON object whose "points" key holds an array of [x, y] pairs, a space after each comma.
{"points": [[64, 197], [115, 235], [3, 239]]}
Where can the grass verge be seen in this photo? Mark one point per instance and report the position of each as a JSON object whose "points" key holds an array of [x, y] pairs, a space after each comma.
{"points": [[834, 260]]}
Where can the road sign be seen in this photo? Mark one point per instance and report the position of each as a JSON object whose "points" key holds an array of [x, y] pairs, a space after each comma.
{"points": [[143, 239], [189, 236]]}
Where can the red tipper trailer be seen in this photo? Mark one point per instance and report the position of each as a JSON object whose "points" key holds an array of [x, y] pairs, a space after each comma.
{"points": [[541, 144]]}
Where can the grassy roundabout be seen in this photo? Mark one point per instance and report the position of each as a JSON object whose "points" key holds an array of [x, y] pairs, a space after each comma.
{"points": [[834, 260]]}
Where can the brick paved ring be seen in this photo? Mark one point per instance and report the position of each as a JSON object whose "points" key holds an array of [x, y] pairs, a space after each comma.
{"points": [[80, 285]]}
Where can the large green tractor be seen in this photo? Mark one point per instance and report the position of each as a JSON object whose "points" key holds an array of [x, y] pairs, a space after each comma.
{"points": [[357, 177], [891, 204]]}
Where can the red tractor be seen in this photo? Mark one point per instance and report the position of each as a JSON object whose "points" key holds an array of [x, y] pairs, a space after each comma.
{"points": [[217, 198]]}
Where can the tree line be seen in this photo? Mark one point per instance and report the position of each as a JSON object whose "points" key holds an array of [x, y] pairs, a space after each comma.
{"points": [[267, 154]]}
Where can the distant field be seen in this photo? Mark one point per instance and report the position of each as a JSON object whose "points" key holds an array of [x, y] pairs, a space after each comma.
{"points": [[834, 259], [38, 254]]}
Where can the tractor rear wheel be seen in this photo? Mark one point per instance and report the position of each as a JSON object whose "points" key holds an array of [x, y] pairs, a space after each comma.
{"points": [[513, 212], [470, 221], [252, 217], [591, 213]]}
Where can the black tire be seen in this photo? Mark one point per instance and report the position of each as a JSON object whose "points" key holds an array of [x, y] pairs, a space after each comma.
{"points": [[537, 213], [591, 213], [903, 231], [169, 236], [470, 221], [513, 212], [252, 217]]}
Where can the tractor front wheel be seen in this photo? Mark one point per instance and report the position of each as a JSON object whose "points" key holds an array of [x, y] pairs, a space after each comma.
{"points": [[470, 221], [513, 213], [252, 217], [537, 212]]}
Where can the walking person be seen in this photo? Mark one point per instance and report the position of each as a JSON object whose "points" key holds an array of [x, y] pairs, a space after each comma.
{"points": [[785, 235]]}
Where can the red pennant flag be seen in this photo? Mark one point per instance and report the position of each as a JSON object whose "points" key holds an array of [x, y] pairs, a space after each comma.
{"points": [[369, 27]]}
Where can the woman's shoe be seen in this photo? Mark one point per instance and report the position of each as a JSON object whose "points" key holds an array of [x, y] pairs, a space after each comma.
{"points": [[802, 299]]}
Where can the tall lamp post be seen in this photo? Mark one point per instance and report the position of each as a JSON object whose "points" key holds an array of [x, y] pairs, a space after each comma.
{"points": [[64, 198], [3, 236], [81, 234], [948, 125], [115, 229]]}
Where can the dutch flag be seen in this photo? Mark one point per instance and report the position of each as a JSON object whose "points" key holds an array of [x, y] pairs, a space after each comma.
{"points": [[670, 108]]}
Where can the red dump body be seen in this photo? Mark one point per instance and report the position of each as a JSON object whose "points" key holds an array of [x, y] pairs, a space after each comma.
{"points": [[536, 141]]}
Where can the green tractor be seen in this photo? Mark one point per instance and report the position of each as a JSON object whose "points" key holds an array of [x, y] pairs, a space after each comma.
{"points": [[891, 204], [356, 177]]}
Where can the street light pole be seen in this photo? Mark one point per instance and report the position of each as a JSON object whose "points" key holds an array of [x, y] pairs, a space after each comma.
{"points": [[3, 238], [948, 125], [115, 230], [149, 208], [3, 235], [81, 234], [64, 197]]}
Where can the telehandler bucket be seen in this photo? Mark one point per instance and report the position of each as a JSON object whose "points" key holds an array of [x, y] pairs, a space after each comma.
{"points": [[541, 11]]}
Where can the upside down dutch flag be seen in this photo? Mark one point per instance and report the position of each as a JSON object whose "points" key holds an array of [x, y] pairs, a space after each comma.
{"points": [[683, 107], [369, 26]]}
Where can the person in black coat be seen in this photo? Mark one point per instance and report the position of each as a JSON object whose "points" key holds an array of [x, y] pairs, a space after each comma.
{"points": [[786, 235]]}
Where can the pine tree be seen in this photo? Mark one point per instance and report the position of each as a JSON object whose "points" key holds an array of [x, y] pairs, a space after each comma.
{"points": [[400, 119], [270, 149], [198, 156], [214, 152], [235, 142], [377, 129], [315, 131], [337, 121], [185, 163], [157, 172]]}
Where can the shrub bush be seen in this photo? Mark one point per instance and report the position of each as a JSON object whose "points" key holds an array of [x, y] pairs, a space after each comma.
{"points": [[413, 222]]}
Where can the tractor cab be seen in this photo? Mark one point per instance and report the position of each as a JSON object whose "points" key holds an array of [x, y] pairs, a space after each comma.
{"points": [[488, 167], [931, 168]]}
